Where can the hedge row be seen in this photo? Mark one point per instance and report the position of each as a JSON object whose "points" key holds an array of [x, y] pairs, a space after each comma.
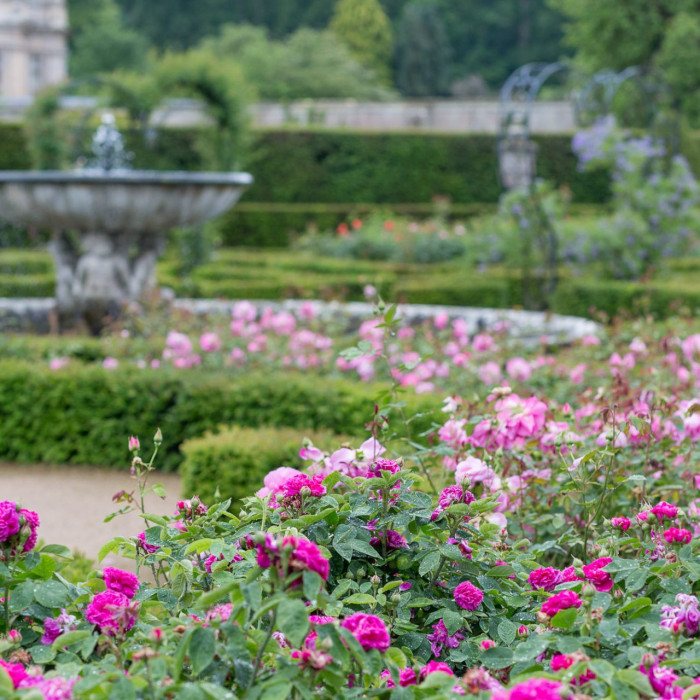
{"points": [[353, 167], [235, 460], [344, 166], [83, 415]]}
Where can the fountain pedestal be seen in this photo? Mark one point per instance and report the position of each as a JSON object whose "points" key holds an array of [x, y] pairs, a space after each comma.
{"points": [[110, 226]]}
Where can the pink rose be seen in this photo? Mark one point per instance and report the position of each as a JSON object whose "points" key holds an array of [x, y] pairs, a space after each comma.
{"points": [[621, 523], [676, 535], [407, 676]]}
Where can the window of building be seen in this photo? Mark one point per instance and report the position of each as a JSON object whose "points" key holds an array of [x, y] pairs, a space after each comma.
{"points": [[36, 76]]}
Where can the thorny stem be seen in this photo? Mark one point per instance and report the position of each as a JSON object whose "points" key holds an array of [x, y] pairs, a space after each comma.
{"points": [[261, 651]]}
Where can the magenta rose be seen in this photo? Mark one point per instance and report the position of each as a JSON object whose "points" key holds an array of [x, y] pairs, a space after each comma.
{"points": [[665, 510], [532, 689], [120, 581], [468, 596], [369, 630], [434, 667], [594, 573], [561, 601], [9, 520], [112, 612], [545, 578]]}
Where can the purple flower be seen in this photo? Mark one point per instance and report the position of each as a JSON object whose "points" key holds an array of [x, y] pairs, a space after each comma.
{"points": [[441, 638], [54, 628]]}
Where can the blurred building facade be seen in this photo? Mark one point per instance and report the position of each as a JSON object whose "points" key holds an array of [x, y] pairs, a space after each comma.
{"points": [[33, 46]]}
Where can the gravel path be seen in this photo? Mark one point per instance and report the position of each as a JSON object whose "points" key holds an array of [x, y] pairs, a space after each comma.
{"points": [[72, 503]]}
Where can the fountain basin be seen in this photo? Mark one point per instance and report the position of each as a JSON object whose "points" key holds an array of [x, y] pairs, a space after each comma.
{"points": [[114, 202], [109, 227]]}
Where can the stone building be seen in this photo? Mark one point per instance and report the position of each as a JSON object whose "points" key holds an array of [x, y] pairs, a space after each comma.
{"points": [[33, 46]]}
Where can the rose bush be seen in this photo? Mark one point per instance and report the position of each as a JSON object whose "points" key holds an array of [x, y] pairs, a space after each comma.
{"points": [[541, 540]]}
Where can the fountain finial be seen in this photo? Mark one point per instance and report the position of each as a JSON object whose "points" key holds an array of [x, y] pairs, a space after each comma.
{"points": [[108, 146]]}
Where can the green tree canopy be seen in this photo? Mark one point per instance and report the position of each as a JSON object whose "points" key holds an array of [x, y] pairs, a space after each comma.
{"points": [[422, 52], [365, 29], [662, 36], [309, 63]]}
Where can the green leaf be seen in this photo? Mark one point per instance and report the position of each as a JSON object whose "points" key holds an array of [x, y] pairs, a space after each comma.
{"points": [[366, 548], [420, 602], [41, 654], [636, 603], [198, 546], [497, 657], [359, 599], [7, 687], [107, 548], [279, 691], [68, 638], [507, 631], [637, 680], [636, 580], [44, 568], [293, 620], [22, 597], [691, 691], [201, 649], [603, 669], [501, 572], [429, 564], [208, 599], [51, 594], [396, 656], [565, 619], [453, 621]]}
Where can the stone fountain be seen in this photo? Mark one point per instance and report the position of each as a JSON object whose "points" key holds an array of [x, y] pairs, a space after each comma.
{"points": [[109, 222]]}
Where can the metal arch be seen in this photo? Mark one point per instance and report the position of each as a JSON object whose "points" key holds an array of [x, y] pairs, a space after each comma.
{"points": [[610, 81], [519, 92]]}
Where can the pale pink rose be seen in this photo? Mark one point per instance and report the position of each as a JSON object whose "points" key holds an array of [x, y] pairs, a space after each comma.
{"points": [[275, 480], [245, 311], [58, 363], [519, 369], [490, 373], [210, 342]]}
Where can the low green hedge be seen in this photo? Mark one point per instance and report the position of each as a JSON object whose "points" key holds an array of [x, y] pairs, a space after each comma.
{"points": [[22, 285], [25, 262], [236, 460], [275, 225], [590, 297], [84, 415]]}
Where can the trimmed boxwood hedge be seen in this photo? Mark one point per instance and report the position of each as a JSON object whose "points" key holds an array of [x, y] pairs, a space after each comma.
{"points": [[235, 460], [84, 415]]}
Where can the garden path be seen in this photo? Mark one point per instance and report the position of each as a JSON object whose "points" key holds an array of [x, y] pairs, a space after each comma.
{"points": [[72, 503]]}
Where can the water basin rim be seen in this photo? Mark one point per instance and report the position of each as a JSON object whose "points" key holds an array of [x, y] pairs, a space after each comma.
{"points": [[134, 177]]}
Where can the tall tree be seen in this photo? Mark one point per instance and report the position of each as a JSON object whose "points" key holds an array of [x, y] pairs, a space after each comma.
{"points": [[99, 42], [365, 29], [422, 52], [491, 39], [663, 36]]}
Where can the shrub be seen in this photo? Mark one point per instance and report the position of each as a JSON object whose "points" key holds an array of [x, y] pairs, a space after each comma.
{"points": [[63, 417], [235, 460]]}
